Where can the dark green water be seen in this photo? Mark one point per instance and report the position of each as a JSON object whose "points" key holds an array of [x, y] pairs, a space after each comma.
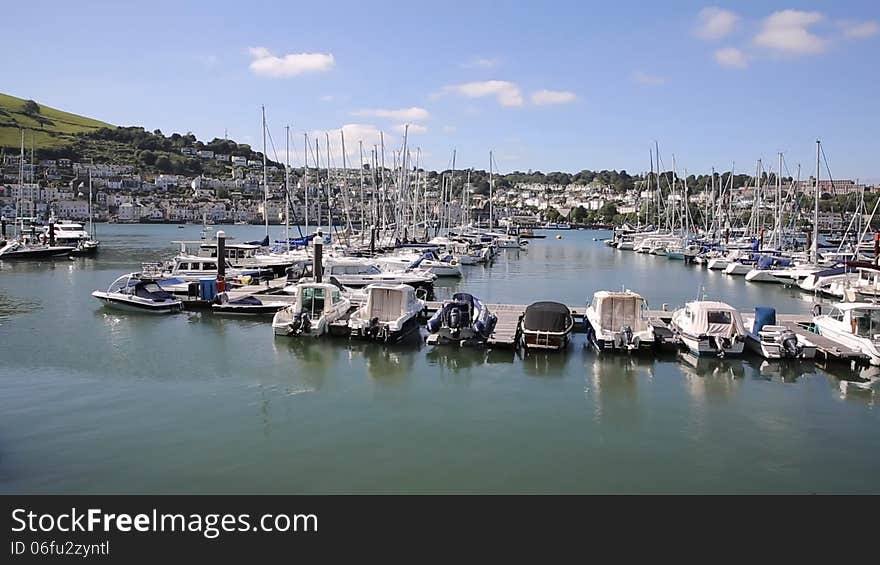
{"points": [[99, 401]]}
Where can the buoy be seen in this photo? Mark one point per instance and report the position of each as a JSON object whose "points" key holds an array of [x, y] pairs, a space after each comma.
{"points": [[558, 237]]}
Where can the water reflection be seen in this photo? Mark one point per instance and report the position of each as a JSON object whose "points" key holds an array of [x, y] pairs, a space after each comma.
{"points": [[787, 371], [545, 363], [387, 364], [711, 378]]}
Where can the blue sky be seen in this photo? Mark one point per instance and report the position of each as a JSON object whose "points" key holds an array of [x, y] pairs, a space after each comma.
{"points": [[549, 85]]}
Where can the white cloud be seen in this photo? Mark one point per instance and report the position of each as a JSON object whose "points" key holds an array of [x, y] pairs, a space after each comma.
{"points": [[545, 97], [786, 33], [327, 98], [507, 93], [413, 128], [481, 62], [731, 57], [264, 63], [859, 30], [715, 23], [413, 114], [648, 79], [449, 129]]}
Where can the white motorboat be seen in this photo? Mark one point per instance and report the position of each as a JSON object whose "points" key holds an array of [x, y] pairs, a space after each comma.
{"points": [[73, 234], [22, 250], [709, 328], [737, 268], [854, 324], [357, 273], [545, 325], [193, 268], [132, 292], [616, 321], [390, 313], [317, 305], [249, 256], [820, 281], [771, 341], [426, 260]]}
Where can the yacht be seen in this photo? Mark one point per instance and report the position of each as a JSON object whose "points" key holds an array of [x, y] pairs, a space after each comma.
{"points": [[75, 235], [189, 268], [357, 273], [709, 328], [771, 341], [854, 324], [426, 260], [462, 320], [23, 250], [616, 321], [545, 325], [390, 313], [317, 305], [132, 292], [248, 256]]}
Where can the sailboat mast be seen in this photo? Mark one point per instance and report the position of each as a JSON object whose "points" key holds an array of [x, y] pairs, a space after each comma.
{"points": [[816, 207], [287, 191], [91, 222], [363, 210], [306, 177], [491, 188], [265, 177]]}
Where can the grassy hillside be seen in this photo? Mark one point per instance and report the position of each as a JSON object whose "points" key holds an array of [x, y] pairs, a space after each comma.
{"points": [[49, 127]]}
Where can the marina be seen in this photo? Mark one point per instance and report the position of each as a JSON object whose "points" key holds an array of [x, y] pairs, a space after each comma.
{"points": [[257, 402]]}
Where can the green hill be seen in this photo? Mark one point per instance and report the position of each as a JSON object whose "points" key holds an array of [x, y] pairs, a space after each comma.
{"points": [[50, 128]]}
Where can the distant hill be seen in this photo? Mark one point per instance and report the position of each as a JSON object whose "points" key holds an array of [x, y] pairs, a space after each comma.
{"points": [[51, 128]]}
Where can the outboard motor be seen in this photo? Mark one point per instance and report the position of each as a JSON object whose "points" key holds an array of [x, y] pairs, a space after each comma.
{"points": [[627, 334], [721, 343], [790, 345], [455, 317], [373, 330]]}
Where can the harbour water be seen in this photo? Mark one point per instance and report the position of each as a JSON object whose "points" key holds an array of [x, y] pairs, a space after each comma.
{"points": [[94, 400]]}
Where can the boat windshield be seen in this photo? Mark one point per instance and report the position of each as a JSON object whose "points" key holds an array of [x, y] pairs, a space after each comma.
{"points": [[313, 301], [866, 323]]}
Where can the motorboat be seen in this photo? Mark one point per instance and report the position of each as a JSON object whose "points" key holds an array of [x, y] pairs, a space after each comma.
{"points": [[820, 282], [73, 234], [390, 313], [317, 305], [462, 320], [772, 341], [356, 272], [22, 250], [193, 268], [545, 325], [709, 328], [738, 268], [248, 256], [133, 292], [854, 324], [248, 305], [427, 260], [770, 269], [616, 321]]}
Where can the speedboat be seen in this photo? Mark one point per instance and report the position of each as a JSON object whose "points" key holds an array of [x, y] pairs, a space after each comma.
{"points": [[770, 341], [247, 305], [616, 320], [357, 273], [389, 314], [317, 305], [545, 325], [464, 319], [854, 324], [428, 261], [709, 328], [20, 250], [142, 294]]}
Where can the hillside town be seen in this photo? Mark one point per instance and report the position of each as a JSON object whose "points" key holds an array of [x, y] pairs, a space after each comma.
{"points": [[125, 193]]}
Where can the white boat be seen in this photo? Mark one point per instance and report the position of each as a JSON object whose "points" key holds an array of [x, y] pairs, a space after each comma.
{"points": [[820, 281], [144, 295], [426, 260], [854, 324], [771, 341], [193, 268], [616, 321], [709, 328], [545, 325], [357, 273], [73, 234], [389, 314], [738, 269], [317, 305]]}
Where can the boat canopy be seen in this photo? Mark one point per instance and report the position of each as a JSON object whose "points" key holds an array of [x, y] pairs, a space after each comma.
{"points": [[547, 316], [619, 309], [714, 318]]}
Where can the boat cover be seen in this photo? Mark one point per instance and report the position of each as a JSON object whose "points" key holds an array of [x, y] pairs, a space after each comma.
{"points": [[547, 317], [764, 316], [246, 301], [151, 291]]}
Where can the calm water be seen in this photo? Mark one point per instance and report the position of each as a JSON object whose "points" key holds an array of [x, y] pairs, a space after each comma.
{"points": [[94, 400]]}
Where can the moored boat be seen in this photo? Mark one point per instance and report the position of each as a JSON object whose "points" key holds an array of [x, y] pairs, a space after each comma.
{"points": [[142, 294], [545, 325]]}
